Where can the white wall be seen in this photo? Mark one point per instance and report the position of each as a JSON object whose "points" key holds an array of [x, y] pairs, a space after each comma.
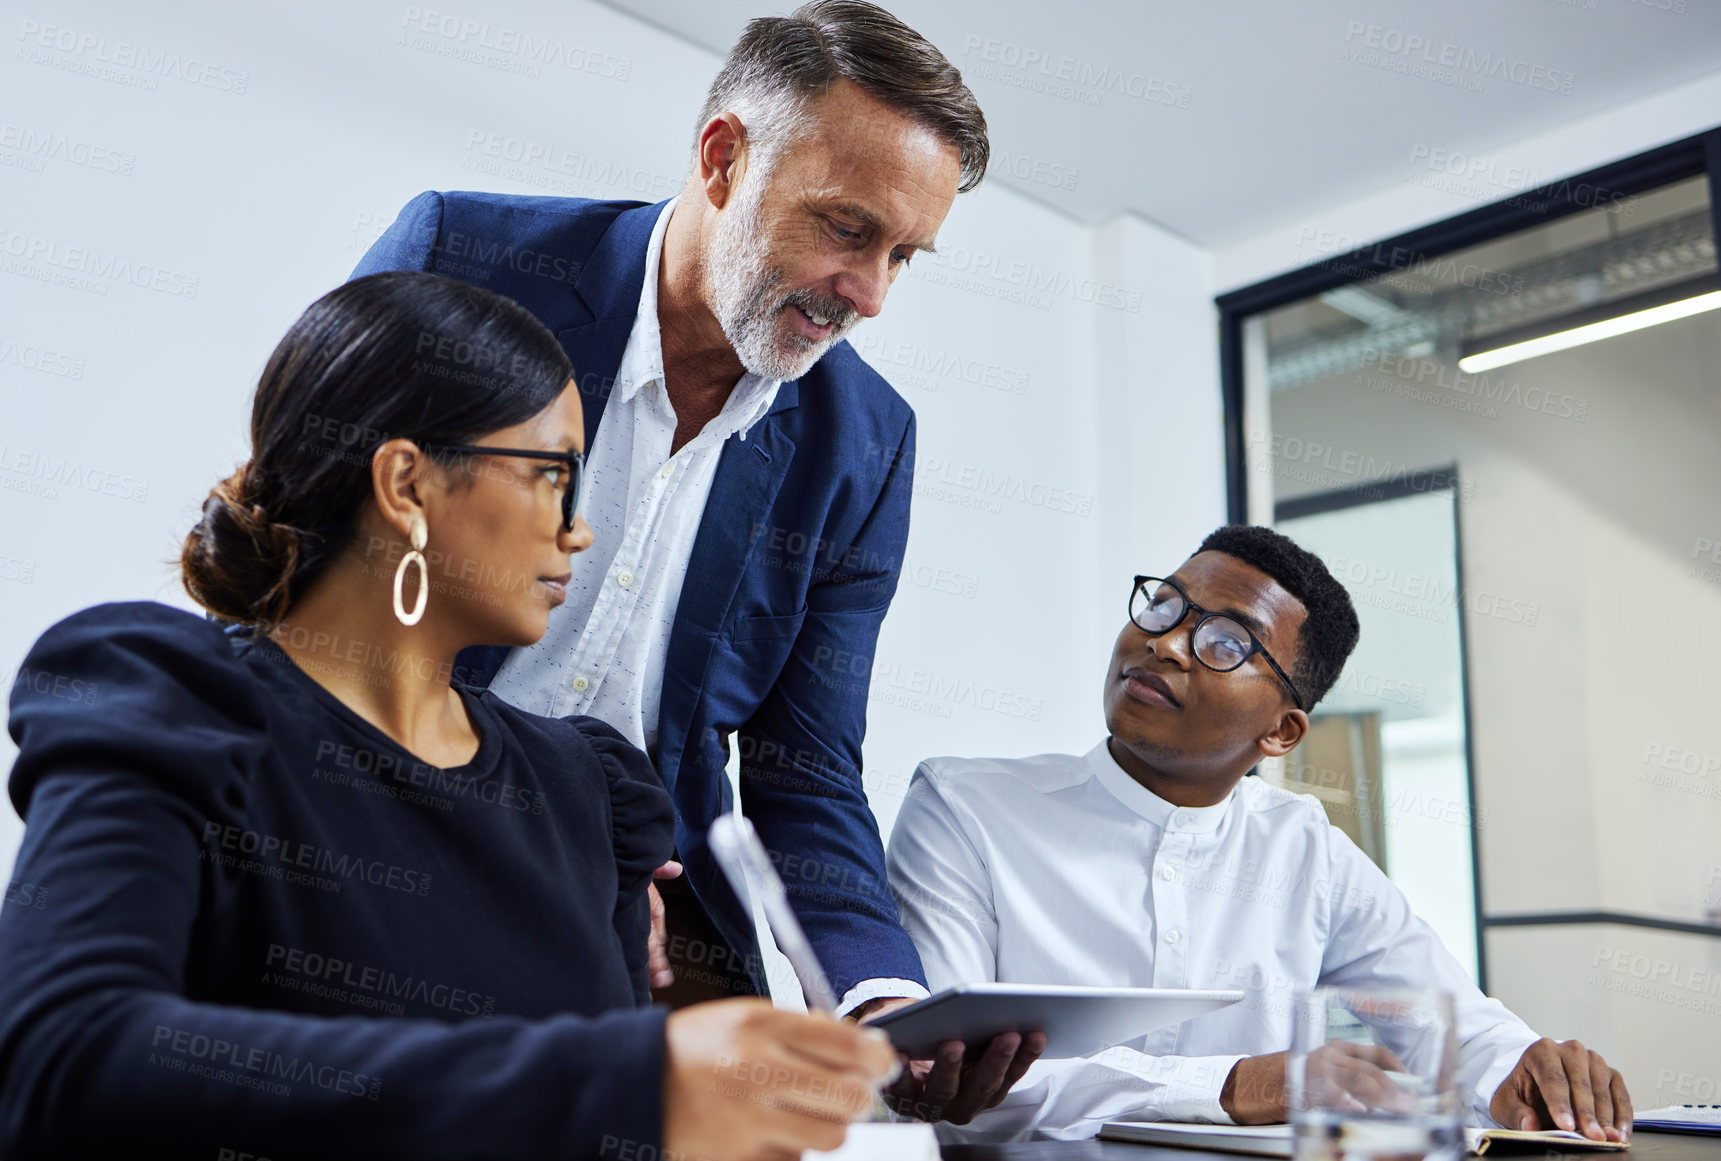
{"points": [[1017, 346]]}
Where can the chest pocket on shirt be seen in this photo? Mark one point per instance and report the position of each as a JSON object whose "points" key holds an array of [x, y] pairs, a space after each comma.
{"points": [[768, 628]]}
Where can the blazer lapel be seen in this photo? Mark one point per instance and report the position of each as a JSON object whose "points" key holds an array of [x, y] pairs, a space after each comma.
{"points": [[749, 475]]}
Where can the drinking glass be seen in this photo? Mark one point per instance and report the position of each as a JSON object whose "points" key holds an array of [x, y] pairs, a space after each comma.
{"points": [[1371, 1076]]}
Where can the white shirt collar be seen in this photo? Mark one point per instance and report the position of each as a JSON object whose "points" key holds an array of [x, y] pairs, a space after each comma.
{"points": [[642, 360], [1191, 819]]}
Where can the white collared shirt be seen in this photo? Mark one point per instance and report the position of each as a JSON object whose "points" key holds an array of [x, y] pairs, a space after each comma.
{"points": [[603, 653], [1062, 869]]}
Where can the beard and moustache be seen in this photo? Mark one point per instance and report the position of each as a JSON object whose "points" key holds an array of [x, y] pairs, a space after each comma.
{"points": [[745, 291]]}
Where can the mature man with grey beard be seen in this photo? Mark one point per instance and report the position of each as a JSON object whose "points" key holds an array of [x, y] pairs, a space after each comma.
{"points": [[749, 477]]}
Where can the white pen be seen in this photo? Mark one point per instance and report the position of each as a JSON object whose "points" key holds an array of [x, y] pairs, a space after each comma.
{"points": [[742, 857], [749, 871]]}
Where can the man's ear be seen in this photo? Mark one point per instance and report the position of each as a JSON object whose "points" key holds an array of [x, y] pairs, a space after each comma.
{"points": [[1285, 734], [722, 157], [396, 470]]}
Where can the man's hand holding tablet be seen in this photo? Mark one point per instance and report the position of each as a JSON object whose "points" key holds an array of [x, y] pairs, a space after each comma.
{"points": [[1010, 1026], [950, 1088]]}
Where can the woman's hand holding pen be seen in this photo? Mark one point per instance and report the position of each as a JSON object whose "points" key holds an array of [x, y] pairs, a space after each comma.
{"points": [[744, 1081]]}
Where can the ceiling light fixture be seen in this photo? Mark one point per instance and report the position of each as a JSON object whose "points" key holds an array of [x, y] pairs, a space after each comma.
{"points": [[1618, 318]]}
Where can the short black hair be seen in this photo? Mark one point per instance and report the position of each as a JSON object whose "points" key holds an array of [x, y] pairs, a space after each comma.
{"points": [[1330, 631]]}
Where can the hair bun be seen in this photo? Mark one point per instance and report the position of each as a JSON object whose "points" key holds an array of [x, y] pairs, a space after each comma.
{"points": [[237, 562]]}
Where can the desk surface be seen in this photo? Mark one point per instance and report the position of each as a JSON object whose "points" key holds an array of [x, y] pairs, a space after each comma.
{"points": [[1645, 1146]]}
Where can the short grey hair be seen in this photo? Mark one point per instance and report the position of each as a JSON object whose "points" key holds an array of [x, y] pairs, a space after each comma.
{"points": [[781, 62]]}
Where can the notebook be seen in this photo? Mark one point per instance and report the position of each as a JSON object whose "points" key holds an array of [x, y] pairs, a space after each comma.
{"points": [[1681, 1119], [1275, 1140]]}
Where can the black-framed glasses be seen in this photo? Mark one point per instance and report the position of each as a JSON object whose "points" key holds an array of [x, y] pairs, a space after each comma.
{"points": [[575, 461], [1222, 643]]}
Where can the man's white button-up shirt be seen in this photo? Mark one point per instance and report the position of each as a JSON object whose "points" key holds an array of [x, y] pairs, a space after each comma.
{"points": [[1062, 869]]}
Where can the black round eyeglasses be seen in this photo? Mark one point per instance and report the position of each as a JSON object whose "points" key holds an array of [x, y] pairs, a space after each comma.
{"points": [[1222, 643], [575, 461]]}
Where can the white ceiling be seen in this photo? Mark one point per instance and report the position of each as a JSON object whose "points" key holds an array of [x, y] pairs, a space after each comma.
{"points": [[1278, 122]]}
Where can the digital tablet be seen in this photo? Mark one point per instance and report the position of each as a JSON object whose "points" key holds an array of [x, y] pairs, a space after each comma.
{"points": [[1077, 1021]]}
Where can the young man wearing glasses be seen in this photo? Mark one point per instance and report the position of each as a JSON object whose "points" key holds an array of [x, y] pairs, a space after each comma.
{"points": [[1152, 861]]}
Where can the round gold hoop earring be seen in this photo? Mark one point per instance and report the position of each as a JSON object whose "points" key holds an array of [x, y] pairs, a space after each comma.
{"points": [[419, 538]]}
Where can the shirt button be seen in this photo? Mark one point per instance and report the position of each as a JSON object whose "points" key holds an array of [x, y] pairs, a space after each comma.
{"points": [[581, 685], [1180, 819], [1173, 936], [624, 578], [1167, 874], [667, 471]]}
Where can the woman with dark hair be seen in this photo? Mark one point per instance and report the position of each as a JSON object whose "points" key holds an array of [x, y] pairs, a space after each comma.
{"points": [[297, 891]]}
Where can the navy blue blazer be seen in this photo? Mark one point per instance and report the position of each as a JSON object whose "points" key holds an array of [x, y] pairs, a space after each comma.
{"points": [[792, 571]]}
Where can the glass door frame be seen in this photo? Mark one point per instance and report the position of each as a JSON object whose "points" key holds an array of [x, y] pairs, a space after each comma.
{"points": [[1444, 478], [1694, 156]]}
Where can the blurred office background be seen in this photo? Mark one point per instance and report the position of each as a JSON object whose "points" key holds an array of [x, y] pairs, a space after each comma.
{"points": [[1526, 739]]}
